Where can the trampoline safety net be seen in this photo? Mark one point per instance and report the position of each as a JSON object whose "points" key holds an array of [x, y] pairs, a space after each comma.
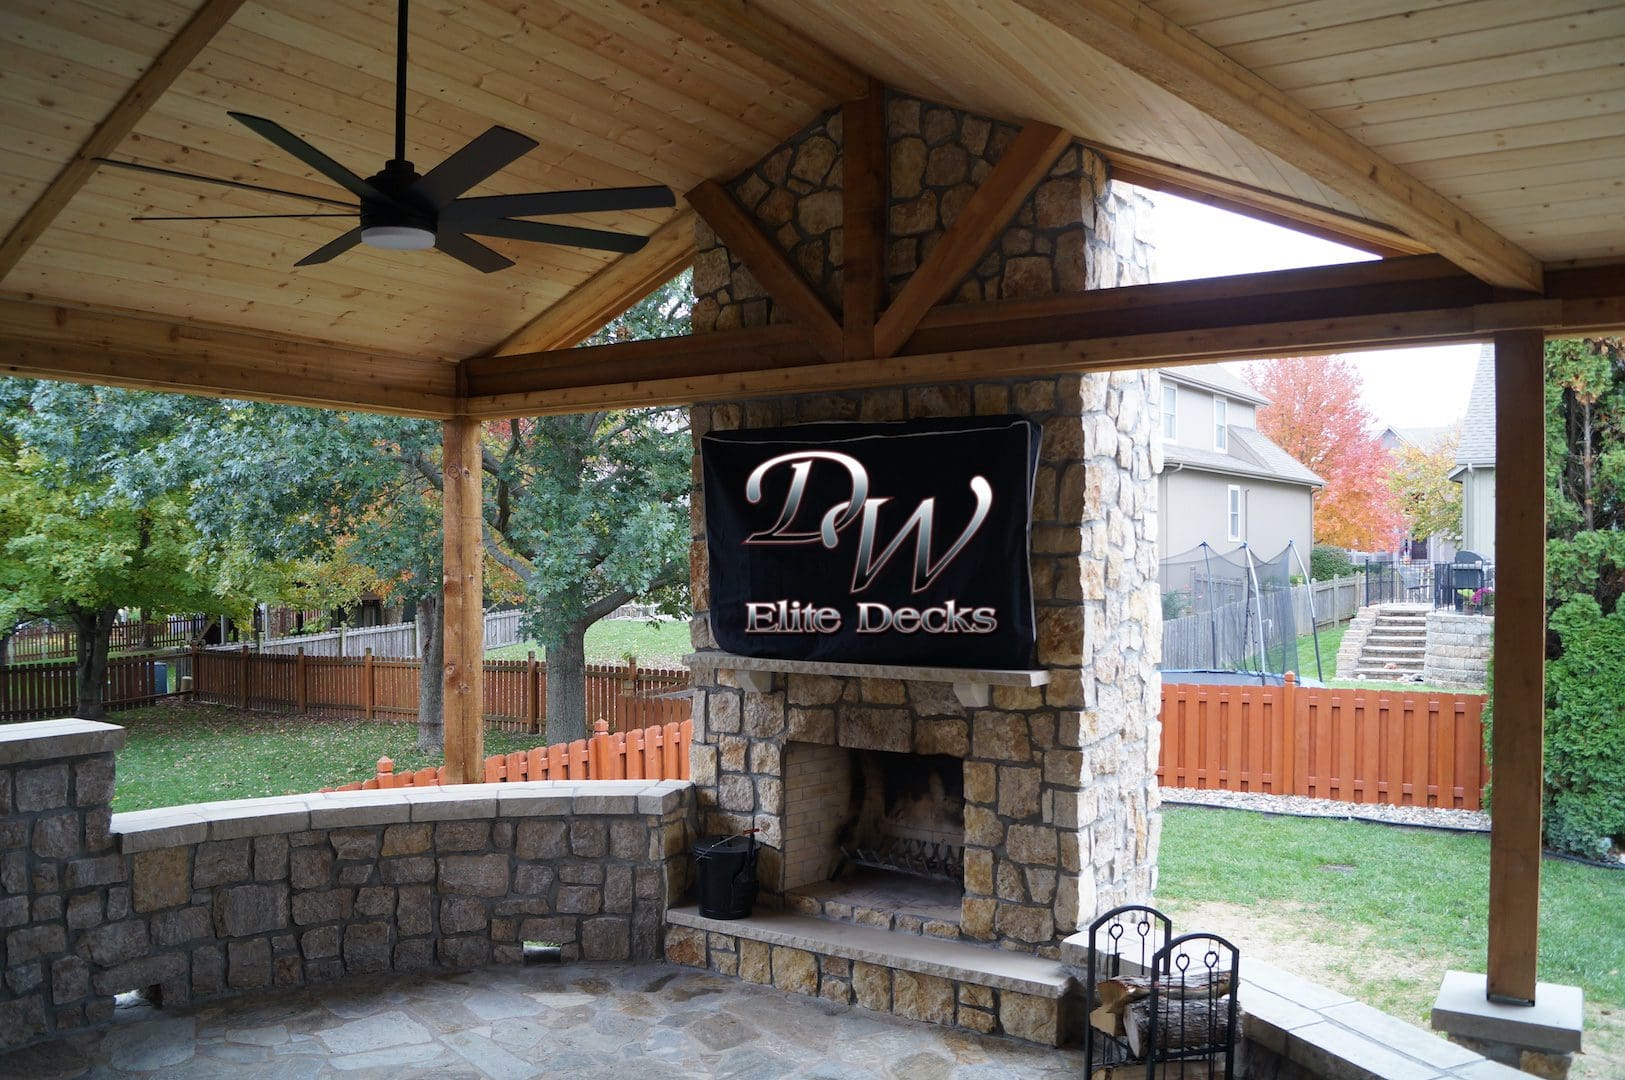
{"points": [[1234, 611]]}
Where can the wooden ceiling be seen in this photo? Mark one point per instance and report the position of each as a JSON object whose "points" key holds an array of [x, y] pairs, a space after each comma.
{"points": [[1492, 131]]}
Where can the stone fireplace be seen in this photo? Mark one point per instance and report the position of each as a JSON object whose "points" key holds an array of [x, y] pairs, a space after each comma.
{"points": [[1005, 808]]}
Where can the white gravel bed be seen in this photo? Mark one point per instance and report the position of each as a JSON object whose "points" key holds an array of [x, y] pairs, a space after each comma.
{"points": [[1304, 806]]}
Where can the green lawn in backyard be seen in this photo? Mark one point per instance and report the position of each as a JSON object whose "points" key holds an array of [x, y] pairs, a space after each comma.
{"points": [[185, 753], [611, 641], [1381, 912]]}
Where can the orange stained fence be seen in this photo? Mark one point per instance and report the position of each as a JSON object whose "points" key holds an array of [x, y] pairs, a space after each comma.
{"points": [[658, 752], [1367, 745]]}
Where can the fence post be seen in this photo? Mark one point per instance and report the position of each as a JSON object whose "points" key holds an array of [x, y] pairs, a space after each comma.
{"points": [[242, 683], [533, 715], [368, 694], [300, 697], [1290, 735]]}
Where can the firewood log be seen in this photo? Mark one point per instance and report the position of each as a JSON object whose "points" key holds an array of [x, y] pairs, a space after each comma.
{"points": [[1181, 1025], [1104, 1019], [1116, 994]]}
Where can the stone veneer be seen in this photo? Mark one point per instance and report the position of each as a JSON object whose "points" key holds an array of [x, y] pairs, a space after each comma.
{"points": [[1059, 780], [221, 898]]}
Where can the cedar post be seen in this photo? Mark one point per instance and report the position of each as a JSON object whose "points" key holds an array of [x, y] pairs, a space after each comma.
{"points": [[463, 602], [1285, 781], [369, 695], [242, 680], [300, 697], [533, 713], [1520, 664]]}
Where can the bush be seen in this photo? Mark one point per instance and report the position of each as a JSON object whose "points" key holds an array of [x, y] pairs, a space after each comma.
{"points": [[1175, 602], [1327, 562], [1585, 730]]}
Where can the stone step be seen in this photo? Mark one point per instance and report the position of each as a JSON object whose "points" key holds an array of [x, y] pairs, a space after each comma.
{"points": [[1409, 640], [1383, 648], [1385, 674]]}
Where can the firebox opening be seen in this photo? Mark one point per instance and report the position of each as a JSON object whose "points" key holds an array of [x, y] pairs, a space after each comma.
{"points": [[905, 814]]}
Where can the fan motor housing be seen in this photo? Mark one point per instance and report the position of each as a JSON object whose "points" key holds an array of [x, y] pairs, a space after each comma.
{"points": [[402, 207]]}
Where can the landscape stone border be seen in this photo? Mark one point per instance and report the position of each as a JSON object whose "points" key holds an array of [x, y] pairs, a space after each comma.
{"points": [[196, 902]]}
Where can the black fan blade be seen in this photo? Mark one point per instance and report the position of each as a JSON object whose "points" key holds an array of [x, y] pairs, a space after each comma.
{"points": [[484, 157], [471, 252], [540, 203], [224, 183], [236, 217], [542, 233], [284, 139], [332, 248]]}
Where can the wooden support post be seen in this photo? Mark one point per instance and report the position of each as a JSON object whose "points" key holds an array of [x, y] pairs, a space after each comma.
{"points": [[1520, 664], [301, 697], [463, 603], [863, 213], [369, 692]]}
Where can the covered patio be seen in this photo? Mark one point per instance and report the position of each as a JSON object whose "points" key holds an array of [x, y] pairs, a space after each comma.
{"points": [[1475, 147]]}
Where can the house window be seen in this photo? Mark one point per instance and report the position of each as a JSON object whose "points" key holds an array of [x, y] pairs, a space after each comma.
{"points": [[1170, 407], [1221, 424], [1234, 514]]}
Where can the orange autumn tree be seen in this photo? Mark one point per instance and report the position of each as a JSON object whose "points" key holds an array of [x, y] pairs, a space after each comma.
{"points": [[1316, 416]]}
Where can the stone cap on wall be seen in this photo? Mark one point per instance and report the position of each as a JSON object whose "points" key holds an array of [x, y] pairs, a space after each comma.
{"points": [[169, 826], [970, 684], [41, 740]]}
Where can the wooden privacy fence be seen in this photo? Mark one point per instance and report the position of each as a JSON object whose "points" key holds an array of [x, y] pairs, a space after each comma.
{"points": [[50, 642], [47, 691], [657, 752], [1356, 745], [625, 697], [1188, 641]]}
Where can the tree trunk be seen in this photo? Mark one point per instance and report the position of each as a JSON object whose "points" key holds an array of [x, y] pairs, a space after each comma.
{"points": [[94, 635], [431, 678], [567, 686]]}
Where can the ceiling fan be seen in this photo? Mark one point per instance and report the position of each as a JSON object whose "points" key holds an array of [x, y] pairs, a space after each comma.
{"points": [[401, 210]]}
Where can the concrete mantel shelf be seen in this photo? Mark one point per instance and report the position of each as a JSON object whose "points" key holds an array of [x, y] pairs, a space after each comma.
{"points": [[972, 686]]}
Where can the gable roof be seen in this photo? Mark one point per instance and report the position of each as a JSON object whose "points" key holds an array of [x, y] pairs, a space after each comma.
{"points": [[1477, 446], [1251, 454], [1215, 378]]}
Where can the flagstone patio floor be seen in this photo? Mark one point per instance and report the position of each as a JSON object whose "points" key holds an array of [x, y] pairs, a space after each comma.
{"points": [[580, 1020]]}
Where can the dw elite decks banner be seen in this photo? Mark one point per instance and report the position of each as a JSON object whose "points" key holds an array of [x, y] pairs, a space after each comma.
{"points": [[881, 543]]}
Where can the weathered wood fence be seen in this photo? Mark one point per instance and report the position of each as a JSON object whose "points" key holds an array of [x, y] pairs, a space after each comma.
{"points": [[395, 641], [1187, 642], [50, 642], [624, 696], [1356, 745], [49, 690], [657, 752]]}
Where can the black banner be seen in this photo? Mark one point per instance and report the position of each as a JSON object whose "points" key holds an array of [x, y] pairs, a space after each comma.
{"points": [[879, 543]]}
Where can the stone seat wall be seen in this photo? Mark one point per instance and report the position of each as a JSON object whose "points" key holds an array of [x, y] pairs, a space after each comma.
{"points": [[222, 898]]}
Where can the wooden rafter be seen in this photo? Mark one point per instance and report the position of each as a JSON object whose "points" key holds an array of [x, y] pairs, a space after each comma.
{"points": [[609, 292], [1415, 301], [1157, 49], [118, 123], [760, 253], [864, 171], [986, 213], [143, 353]]}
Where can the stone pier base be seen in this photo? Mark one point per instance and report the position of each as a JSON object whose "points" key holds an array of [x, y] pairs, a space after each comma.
{"points": [[1539, 1039]]}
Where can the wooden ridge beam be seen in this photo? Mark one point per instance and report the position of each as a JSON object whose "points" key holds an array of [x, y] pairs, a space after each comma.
{"points": [[985, 215], [865, 167], [608, 293], [762, 255], [45, 341], [165, 68], [1416, 301], [1169, 56]]}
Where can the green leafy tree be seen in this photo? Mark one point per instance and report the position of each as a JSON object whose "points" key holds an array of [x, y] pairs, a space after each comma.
{"points": [[1420, 480]]}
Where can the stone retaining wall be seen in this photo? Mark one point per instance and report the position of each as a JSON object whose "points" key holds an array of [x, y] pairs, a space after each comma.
{"points": [[200, 901], [1458, 650]]}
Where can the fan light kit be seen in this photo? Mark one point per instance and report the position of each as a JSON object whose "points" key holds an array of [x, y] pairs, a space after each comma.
{"points": [[400, 210]]}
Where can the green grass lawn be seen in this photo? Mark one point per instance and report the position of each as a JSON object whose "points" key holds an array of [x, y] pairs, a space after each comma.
{"points": [[611, 641], [185, 753], [1380, 913]]}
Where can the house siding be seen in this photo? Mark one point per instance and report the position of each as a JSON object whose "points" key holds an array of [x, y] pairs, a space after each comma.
{"points": [[1478, 512], [1195, 509]]}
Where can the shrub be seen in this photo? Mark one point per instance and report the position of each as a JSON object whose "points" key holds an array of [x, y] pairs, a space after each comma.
{"points": [[1175, 602], [1585, 730], [1326, 562]]}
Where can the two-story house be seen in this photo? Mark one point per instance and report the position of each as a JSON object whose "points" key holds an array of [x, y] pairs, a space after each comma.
{"points": [[1222, 480]]}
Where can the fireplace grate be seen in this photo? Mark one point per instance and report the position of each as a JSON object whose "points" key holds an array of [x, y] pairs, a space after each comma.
{"points": [[921, 858]]}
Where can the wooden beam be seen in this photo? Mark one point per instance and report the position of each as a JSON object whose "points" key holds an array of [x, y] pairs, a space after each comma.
{"points": [[116, 348], [1520, 664], [1261, 205], [176, 57], [608, 293], [782, 279], [463, 602], [1159, 50], [748, 26], [863, 219], [1417, 301], [985, 215]]}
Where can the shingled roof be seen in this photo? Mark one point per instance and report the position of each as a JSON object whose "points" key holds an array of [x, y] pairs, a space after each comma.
{"points": [[1477, 447]]}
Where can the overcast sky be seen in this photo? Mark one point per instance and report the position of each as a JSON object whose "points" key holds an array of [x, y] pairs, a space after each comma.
{"points": [[1414, 387]]}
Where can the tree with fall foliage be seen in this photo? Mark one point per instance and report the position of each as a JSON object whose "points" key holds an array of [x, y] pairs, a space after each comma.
{"points": [[1420, 480], [1316, 416]]}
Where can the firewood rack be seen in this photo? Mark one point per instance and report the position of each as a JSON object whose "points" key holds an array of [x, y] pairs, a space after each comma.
{"points": [[1159, 1005]]}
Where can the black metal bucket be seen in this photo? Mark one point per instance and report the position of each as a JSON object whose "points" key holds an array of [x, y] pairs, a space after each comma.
{"points": [[727, 875]]}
